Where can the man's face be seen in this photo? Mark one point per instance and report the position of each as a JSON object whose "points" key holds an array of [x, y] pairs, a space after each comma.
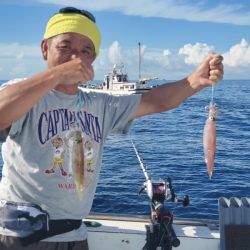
{"points": [[65, 47]]}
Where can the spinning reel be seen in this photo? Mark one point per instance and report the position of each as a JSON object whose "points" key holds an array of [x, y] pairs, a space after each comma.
{"points": [[160, 191]]}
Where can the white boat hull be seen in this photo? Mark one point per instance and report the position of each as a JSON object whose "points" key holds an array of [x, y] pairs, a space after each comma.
{"points": [[116, 91], [129, 233]]}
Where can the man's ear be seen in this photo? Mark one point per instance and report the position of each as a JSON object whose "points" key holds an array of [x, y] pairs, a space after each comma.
{"points": [[44, 48]]}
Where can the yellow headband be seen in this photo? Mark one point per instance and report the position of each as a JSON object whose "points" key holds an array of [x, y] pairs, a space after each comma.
{"points": [[76, 23]]}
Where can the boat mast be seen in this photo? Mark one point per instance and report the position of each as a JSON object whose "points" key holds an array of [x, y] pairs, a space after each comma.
{"points": [[139, 44]]}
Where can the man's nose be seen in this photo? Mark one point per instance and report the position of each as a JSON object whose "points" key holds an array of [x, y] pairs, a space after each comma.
{"points": [[75, 53]]}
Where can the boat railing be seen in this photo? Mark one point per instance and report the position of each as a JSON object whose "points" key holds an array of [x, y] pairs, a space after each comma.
{"points": [[234, 217]]}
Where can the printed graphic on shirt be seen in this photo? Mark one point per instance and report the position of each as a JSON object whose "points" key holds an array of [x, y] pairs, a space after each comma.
{"points": [[72, 137], [88, 155], [54, 122], [57, 161]]}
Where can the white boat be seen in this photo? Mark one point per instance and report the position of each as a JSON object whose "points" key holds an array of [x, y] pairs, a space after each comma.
{"points": [[117, 81], [120, 232]]}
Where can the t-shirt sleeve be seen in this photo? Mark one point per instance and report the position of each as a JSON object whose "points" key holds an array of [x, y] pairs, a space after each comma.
{"points": [[118, 111], [15, 127], [3, 134], [13, 130]]}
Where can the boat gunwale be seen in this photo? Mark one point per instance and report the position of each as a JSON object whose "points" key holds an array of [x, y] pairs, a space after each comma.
{"points": [[146, 219]]}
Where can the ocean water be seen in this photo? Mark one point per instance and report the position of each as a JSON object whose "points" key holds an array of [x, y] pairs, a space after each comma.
{"points": [[170, 145]]}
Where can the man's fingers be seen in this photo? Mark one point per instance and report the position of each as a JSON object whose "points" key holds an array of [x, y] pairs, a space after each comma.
{"points": [[216, 62]]}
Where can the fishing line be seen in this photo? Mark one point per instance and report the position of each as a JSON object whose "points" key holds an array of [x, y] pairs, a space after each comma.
{"points": [[79, 103], [76, 123], [212, 94]]}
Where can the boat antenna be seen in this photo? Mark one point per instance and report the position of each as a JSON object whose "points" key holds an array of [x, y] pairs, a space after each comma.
{"points": [[139, 52]]}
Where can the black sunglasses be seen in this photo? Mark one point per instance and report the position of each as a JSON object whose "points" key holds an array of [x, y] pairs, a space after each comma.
{"points": [[85, 13]]}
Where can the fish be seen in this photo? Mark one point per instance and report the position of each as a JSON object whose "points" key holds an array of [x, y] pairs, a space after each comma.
{"points": [[209, 138], [77, 162]]}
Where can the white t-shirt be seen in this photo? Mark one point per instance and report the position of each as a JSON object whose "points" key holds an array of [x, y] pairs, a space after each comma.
{"points": [[36, 153]]}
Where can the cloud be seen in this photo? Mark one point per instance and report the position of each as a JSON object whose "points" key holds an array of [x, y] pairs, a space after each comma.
{"points": [[237, 60], [173, 64], [18, 60], [19, 51], [195, 53], [178, 9], [24, 60], [114, 53], [238, 55]]}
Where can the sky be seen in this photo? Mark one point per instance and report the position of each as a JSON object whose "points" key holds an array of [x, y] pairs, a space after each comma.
{"points": [[175, 35]]}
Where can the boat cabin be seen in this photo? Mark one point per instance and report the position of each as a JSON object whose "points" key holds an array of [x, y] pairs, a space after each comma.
{"points": [[118, 80]]}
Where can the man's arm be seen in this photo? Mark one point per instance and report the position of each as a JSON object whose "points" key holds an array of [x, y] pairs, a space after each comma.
{"points": [[17, 99], [170, 95]]}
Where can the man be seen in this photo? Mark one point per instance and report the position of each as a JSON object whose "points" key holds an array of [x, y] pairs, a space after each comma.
{"points": [[40, 117]]}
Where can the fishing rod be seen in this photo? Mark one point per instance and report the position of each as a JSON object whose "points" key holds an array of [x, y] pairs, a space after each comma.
{"points": [[144, 170], [160, 232]]}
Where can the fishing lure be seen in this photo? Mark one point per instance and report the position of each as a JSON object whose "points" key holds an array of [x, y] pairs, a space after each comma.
{"points": [[77, 162], [77, 154], [209, 135], [209, 138]]}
